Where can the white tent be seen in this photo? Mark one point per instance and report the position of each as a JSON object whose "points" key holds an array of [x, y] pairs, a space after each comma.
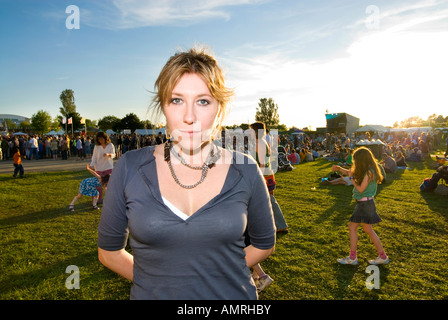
{"points": [[372, 127], [55, 133]]}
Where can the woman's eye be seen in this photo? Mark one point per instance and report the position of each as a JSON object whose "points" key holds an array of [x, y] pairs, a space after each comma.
{"points": [[176, 100], [203, 102]]}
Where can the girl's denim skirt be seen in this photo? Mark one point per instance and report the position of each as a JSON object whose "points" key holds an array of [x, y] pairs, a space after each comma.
{"points": [[365, 212]]}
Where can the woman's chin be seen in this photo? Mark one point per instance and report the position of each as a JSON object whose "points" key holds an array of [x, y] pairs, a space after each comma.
{"points": [[191, 141]]}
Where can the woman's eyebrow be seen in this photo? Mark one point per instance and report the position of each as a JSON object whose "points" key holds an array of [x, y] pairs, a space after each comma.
{"points": [[196, 95]]}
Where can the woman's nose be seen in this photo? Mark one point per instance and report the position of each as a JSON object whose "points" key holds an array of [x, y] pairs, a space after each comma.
{"points": [[190, 113]]}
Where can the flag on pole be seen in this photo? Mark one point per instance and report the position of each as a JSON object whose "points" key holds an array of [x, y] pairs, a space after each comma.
{"points": [[83, 120], [69, 120], [64, 120]]}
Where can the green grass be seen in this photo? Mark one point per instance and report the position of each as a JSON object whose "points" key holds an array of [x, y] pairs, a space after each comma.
{"points": [[39, 239]]}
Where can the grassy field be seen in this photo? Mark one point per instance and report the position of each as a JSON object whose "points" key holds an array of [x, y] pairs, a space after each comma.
{"points": [[39, 239]]}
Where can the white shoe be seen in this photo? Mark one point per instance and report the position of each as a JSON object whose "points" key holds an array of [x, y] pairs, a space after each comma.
{"points": [[378, 261], [347, 260]]}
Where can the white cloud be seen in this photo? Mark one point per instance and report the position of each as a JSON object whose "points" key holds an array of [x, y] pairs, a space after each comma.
{"points": [[126, 14], [386, 76]]}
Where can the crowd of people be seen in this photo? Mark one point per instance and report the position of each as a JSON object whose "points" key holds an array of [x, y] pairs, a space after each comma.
{"points": [[65, 146], [398, 147]]}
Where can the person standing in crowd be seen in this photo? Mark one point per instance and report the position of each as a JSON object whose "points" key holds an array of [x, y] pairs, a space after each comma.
{"points": [[134, 143], [263, 159], [79, 148], [103, 158], [87, 147], [187, 203], [47, 147], [119, 146], [34, 148], [5, 148], [64, 147], [365, 174], [54, 146]]}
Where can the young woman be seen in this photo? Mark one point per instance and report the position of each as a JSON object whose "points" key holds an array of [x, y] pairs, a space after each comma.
{"points": [[186, 204], [103, 158], [365, 175]]}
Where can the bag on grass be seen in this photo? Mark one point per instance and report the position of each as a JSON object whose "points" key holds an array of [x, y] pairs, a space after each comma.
{"points": [[425, 184], [441, 189]]}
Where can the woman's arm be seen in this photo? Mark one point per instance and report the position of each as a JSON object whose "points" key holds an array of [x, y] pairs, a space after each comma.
{"points": [[254, 255], [94, 157], [345, 172], [121, 262], [93, 172], [110, 150], [263, 150]]}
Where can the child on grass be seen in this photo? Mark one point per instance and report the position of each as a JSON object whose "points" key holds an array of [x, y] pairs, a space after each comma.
{"points": [[365, 175], [88, 187], [18, 167]]}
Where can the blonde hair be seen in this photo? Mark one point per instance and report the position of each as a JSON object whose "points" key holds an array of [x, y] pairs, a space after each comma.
{"points": [[196, 60]]}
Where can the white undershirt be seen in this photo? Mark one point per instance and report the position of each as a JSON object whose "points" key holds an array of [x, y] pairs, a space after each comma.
{"points": [[175, 210]]}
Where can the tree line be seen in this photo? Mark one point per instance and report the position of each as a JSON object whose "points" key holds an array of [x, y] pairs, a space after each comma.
{"points": [[266, 112]]}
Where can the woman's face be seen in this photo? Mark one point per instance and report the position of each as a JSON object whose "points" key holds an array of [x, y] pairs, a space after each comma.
{"points": [[191, 112]]}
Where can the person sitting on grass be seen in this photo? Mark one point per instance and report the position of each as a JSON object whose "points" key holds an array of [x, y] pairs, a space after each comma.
{"points": [[88, 187], [345, 180], [415, 155], [400, 159], [388, 163], [293, 157]]}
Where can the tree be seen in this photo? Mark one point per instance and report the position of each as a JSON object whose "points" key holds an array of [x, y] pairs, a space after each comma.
{"points": [[25, 125], [436, 120], [11, 125], [130, 121], [108, 122], [148, 125], [55, 124], [267, 112], [41, 122], [415, 121], [67, 98]]}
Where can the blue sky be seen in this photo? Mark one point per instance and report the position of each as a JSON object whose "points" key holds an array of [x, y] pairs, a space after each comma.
{"points": [[381, 61]]}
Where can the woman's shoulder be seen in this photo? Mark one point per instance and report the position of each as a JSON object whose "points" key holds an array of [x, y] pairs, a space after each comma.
{"points": [[138, 156]]}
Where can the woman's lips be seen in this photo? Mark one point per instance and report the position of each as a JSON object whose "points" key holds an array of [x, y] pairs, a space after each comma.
{"points": [[190, 132]]}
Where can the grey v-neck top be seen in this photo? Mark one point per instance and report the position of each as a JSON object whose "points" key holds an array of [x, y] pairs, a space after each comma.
{"points": [[201, 257]]}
